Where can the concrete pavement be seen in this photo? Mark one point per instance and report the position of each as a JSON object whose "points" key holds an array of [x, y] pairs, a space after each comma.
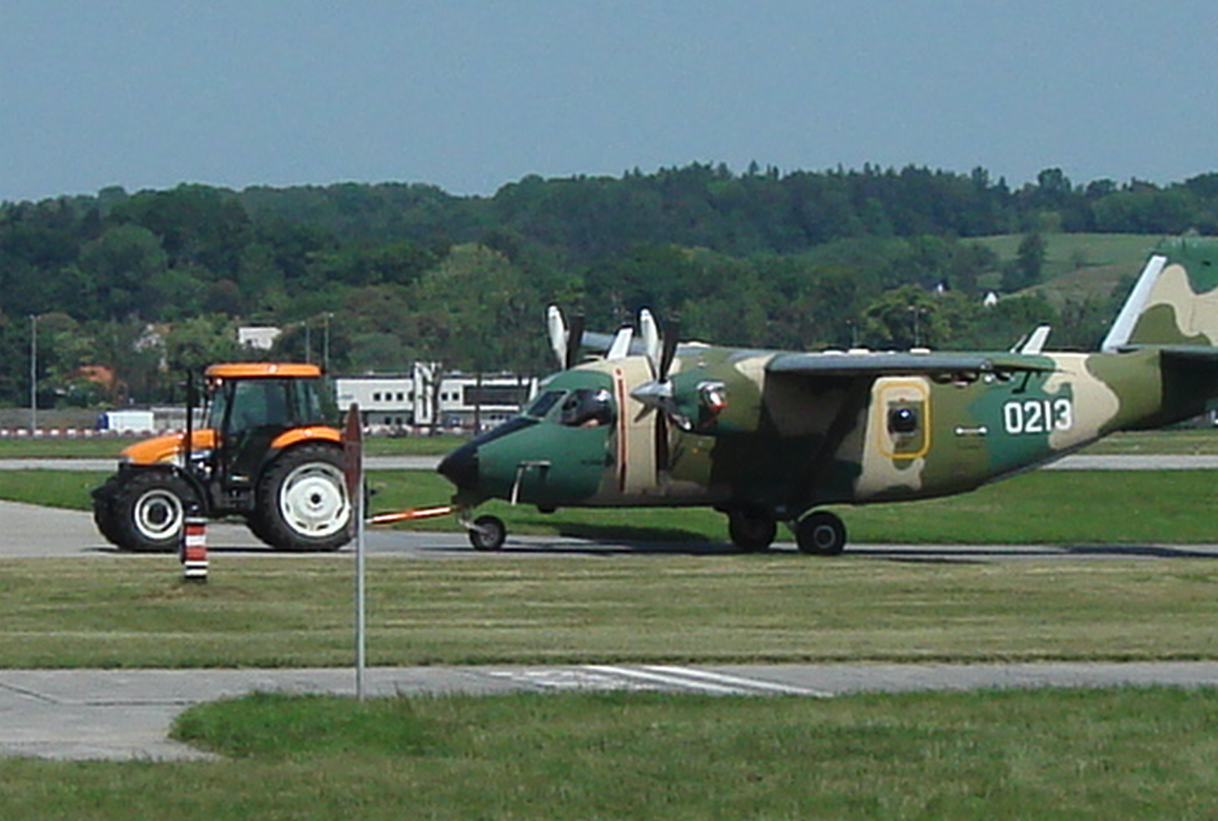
{"points": [[127, 714]]}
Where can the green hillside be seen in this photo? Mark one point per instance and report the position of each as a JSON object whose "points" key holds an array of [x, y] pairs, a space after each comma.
{"points": [[1078, 267]]}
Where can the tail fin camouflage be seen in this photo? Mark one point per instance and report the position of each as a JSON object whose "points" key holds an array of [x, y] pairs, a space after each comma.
{"points": [[1175, 301]]}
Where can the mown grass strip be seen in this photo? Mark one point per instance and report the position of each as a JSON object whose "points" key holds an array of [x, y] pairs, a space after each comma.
{"points": [[1195, 441], [133, 611], [1110, 754], [57, 447], [1047, 507]]}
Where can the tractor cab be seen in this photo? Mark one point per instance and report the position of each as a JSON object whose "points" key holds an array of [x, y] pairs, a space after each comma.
{"points": [[250, 408], [266, 454]]}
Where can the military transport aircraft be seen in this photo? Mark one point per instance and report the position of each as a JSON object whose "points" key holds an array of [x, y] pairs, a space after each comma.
{"points": [[771, 436]]}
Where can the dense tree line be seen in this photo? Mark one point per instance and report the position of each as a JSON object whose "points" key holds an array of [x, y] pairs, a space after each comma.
{"points": [[371, 277]]}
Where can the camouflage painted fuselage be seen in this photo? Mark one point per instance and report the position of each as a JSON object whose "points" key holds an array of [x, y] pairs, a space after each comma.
{"points": [[783, 432]]}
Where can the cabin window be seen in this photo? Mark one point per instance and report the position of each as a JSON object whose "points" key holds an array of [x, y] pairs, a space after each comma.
{"points": [[902, 420]]}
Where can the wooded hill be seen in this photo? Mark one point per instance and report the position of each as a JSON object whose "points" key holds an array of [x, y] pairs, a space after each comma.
{"points": [[371, 277]]}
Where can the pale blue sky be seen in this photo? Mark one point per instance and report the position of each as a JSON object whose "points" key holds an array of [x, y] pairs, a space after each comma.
{"points": [[472, 94]]}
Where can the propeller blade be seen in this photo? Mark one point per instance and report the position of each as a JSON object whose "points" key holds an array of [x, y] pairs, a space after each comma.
{"points": [[650, 332], [669, 352], [663, 456], [575, 340], [620, 348], [560, 337]]}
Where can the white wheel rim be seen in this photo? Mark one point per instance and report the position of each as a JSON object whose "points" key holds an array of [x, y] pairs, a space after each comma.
{"points": [[313, 500], [158, 514]]}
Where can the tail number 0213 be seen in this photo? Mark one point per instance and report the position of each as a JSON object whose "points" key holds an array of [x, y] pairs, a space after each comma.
{"points": [[1038, 415]]}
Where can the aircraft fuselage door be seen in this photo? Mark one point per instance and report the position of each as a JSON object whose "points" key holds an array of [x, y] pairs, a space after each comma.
{"points": [[904, 405], [897, 440], [634, 440]]}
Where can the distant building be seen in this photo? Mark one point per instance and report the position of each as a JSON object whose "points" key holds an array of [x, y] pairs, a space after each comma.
{"points": [[258, 337], [425, 398]]}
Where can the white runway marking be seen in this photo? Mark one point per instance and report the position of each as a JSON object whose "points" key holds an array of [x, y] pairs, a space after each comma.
{"points": [[748, 683]]}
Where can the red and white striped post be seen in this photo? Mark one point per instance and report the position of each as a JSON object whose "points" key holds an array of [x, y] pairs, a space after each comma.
{"points": [[193, 554]]}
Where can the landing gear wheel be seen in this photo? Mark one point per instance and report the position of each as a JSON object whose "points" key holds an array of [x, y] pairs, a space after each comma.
{"points": [[751, 530], [146, 511], [821, 533], [302, 501], [487, 533]]}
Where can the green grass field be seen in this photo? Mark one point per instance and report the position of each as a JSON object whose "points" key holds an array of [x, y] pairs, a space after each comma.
{"points": [[100, 448], [1079, 266], [1044, 507], [1110, 754], [1104, 756], [1198, 441], [134, 611]]}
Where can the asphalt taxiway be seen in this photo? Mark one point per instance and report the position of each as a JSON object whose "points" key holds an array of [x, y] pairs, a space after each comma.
{"points": [[29, 531]]}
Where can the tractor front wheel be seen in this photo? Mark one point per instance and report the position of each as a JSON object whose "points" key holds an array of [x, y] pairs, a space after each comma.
{"points": [[302, 501], [145, 511]]}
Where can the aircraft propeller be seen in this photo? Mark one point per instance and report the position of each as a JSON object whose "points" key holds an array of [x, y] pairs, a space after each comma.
{"points": [[660, 348], [564, 341]]}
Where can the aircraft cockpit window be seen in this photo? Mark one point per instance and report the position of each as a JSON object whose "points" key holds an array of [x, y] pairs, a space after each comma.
{"points": [[587, 408], [541, 405]]}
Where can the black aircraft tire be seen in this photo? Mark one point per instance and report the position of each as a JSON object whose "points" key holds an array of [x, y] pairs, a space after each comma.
{"points": [[488, 533], [751, 531], [821, 533], [147, 511], [302, 501]]}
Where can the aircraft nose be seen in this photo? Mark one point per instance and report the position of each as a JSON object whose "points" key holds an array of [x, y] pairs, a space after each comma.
{"points": [[461, 467]]}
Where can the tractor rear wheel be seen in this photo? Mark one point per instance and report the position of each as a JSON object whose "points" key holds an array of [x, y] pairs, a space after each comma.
{"points": [[147, 510], [302, 501]]}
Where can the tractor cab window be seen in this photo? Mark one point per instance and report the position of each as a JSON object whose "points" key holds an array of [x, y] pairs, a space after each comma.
{"points": [[258, 403], [245, 404], [587, 408]]}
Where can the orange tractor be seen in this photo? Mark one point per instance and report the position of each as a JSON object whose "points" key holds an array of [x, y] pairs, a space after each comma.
{"points": [[266, 455]]}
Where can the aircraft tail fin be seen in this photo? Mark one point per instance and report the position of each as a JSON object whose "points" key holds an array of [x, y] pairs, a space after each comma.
{"points": [[1175, 301]]}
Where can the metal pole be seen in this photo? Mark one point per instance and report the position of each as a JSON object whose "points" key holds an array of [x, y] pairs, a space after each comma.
{"points": [[353, 452], [325, 343], [33, 373], [361, 593]]}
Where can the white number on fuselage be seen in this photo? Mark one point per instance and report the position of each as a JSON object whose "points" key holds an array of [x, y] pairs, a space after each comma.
{"points": [[1038, 415]]}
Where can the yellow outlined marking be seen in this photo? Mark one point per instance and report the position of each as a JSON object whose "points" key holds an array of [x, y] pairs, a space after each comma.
{"points": [[897, 391]]}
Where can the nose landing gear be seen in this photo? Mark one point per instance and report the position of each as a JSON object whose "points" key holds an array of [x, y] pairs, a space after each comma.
{"points": [[485, 532]]}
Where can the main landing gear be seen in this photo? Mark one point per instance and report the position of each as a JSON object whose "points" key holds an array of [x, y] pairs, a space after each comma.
{"points": [[819, 533]]}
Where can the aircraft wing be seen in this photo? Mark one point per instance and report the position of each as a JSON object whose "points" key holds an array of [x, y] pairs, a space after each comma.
{"points": [[899, 364], [1189, 353]]}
